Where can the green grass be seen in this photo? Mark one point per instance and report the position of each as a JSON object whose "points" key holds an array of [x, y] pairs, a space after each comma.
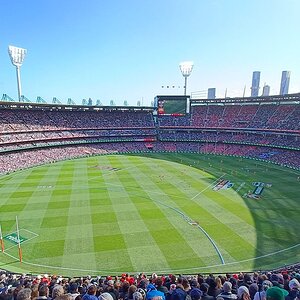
{"points": [[81, 217]]}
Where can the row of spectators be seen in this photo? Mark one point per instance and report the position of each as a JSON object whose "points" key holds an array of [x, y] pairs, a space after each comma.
{"points": [[271, 116], [243, 286], [39, 139], [16, 137], [231, 137], [12, 120], [13, 161], [10, 162], [58, 135]]}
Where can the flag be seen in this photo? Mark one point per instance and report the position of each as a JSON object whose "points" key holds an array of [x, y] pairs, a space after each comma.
{"points": [[19, 244], [1, 240]]}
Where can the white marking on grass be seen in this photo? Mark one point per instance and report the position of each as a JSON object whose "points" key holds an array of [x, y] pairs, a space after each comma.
{"points": [[36, 235], [27, 240], [112, 172], [208, 187], [151, 271], [188, 219]]}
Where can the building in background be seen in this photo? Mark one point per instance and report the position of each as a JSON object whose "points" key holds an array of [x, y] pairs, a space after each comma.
{"points": [[255, 84], [211, 93], [266, 90], [285, 82]]}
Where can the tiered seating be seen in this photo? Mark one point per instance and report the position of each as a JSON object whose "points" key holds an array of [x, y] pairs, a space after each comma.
{"points": [[239, 129]]}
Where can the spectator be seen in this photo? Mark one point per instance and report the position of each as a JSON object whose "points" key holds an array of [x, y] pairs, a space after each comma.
{"points": [[276, 293], [73, 290], [243, 293], [204, 288], [179, 293], [58, 290], [153, 293], [91, 293], [261, 294], [227, 293], [294, 287], [105, 296], [24, 294]]}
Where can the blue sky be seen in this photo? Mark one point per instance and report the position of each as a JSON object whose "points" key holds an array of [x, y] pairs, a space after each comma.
{"points": [[129, 49]]}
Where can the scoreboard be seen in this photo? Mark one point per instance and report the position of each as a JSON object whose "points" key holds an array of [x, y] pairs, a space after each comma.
{"points": [[172, 105]]}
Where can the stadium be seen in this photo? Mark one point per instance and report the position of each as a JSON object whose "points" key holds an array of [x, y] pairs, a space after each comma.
{"points": [[186, 186], [187, 191]]}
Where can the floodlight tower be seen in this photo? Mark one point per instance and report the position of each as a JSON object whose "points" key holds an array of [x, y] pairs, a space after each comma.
{"points": [[186, 68], [17, 56]]}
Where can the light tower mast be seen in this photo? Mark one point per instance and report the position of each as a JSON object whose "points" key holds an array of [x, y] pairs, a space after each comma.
{"points": [[186, 68], [17, 56]]}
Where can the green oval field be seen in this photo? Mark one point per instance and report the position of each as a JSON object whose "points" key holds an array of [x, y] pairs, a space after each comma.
{"points": [[181, 213]]}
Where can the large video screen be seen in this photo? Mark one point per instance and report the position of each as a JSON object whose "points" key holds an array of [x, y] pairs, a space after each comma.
{"points": [[172, 106]]}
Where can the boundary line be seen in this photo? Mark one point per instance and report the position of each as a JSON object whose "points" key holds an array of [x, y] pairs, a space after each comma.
{"points": [[204, 267], [157, 271]]}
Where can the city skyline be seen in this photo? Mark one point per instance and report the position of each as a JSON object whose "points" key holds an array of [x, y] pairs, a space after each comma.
{"points": [[128, 51]]}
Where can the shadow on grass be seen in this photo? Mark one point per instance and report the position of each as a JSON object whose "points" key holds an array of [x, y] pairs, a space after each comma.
{"points": [[275, 215]]}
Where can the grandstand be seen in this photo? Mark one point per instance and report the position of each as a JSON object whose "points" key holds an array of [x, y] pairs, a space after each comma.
{"points": [[263, 129], [251, 127]]}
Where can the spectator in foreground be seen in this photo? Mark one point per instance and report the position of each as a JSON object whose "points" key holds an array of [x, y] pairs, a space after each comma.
{"points": [[294, 287], [261, 294], [276, 293], [204, 288], [57, 291], [243, 293], [73, 290], [91, 293], [153, 293], [227, 293], [24, 294]]}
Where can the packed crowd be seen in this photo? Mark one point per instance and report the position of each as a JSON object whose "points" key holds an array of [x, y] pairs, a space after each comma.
{"points": [[16, 120], [32, 137], [261, 138], [270, 116], [282, 285], [14, 161], [27, 158]]}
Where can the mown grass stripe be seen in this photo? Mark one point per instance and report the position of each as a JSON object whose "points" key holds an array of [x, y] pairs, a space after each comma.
{"points": [[177, 237], [79, 236], [112, 245], [137, 250]]}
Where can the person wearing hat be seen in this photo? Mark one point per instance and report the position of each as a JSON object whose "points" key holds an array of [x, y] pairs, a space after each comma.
{"points": [[276, 293], [294, 287]]}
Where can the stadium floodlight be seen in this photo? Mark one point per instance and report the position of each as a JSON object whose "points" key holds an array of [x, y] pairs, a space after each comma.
{"points": [[17, 56], [186, 68]]}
